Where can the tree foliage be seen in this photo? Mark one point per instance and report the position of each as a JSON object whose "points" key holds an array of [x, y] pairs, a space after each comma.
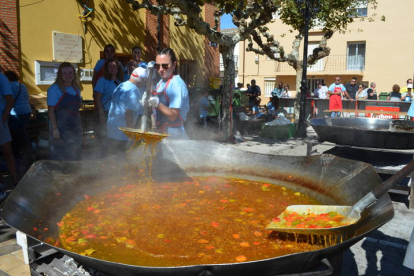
{"points": [[249, 16], [330, 15]]}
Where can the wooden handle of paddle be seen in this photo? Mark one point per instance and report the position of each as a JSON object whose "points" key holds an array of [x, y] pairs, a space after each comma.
{"points": [[389, 183]]}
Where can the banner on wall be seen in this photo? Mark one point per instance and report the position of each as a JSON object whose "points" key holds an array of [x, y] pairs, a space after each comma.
{"points": [[383, 108]]}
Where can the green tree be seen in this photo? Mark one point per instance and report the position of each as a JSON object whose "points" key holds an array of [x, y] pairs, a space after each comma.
{"points": [[330, 15], [249, 16]]}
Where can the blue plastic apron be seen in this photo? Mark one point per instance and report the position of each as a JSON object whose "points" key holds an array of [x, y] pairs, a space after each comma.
{"points": [[166, 124], [69, 146]]}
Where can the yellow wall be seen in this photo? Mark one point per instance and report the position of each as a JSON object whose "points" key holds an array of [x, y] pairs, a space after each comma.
{"points": [[111, 22], [188, 45], [389, 55], [108, 24]]}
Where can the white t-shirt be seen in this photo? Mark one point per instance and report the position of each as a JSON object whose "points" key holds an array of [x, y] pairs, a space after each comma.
{"points": [[322, 92]]}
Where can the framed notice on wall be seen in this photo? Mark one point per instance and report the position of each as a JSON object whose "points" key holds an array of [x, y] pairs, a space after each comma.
{"points": [[45, 72], [67, 47]]}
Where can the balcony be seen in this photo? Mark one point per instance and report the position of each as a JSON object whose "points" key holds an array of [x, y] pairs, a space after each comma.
{"points": [[330, 65]]}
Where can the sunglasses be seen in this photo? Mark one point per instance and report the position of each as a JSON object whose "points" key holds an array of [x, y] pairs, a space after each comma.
{"points": [[109, 51], [164, 66]]}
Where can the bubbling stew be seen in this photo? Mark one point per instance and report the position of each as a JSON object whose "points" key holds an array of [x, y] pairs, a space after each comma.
{"points": [[202, 220]]}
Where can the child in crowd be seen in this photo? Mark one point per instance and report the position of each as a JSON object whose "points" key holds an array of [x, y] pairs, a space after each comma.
{"points": [[272, 106], [255, 106], [203, 107]]}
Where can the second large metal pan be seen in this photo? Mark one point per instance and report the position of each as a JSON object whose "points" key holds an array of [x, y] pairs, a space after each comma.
{"points": [[365, 132]]}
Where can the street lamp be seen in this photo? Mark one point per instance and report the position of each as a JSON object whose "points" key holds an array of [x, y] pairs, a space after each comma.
{"points": [[303, 88]]}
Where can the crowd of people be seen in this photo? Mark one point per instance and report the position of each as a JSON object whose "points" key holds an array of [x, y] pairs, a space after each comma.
{"points": [[335, 93], [118, 99], [353, 91]]}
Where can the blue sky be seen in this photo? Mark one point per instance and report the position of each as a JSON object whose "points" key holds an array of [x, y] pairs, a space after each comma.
{"points": [[226, 22]]}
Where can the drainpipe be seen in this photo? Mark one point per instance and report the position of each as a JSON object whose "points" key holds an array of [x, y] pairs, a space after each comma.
{"points": [[244, 57], [159, 32]]}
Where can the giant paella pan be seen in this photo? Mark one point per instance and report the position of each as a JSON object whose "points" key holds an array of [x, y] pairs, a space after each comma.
{"points": [[50, 189], [365, 132]]}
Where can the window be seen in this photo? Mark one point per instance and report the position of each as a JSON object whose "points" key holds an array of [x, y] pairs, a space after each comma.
{"points": [[236, 62], [269, 85], [361, 9], [318, 24], [356, 56], [320, 64], [45, 71], [312, 84], [187, 71]]}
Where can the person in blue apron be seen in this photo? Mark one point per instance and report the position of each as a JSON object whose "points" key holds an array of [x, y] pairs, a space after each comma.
{"points": [[6, 104], [64, 102], [19, 115], [170, 98], [102, 94]]}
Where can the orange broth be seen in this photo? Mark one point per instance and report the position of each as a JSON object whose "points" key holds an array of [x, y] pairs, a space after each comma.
{"points": [[205, 220]]}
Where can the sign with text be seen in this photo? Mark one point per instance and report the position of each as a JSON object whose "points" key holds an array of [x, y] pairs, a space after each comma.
{"points": [[67, 47], [383, 108]]}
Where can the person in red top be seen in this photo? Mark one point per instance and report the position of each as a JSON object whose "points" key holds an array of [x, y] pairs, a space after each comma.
{"points": [[335, 96]]}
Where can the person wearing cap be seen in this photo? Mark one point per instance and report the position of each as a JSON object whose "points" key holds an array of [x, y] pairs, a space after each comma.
{"points": [[124, 110], [408, 96], [405, 88]]}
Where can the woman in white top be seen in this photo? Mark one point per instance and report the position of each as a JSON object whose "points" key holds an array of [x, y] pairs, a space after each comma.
{"points": [[361, 94], [286, 92], [321, 91]]}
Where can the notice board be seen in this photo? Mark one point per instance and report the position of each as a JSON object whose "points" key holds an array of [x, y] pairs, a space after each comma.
{"points": [[67, 47]]}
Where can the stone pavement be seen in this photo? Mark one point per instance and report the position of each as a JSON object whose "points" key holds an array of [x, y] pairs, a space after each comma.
{"points": [[380, 253]]}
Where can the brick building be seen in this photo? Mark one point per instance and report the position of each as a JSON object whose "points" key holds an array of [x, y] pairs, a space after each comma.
{"points": [[29, 40], [9, 54]]}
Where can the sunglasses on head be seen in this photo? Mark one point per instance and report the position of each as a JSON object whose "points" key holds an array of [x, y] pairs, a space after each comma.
{"points": [[164, 66]]}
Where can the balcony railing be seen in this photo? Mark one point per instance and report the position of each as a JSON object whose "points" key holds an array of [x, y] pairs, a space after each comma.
{"points": [[333, 63]]}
